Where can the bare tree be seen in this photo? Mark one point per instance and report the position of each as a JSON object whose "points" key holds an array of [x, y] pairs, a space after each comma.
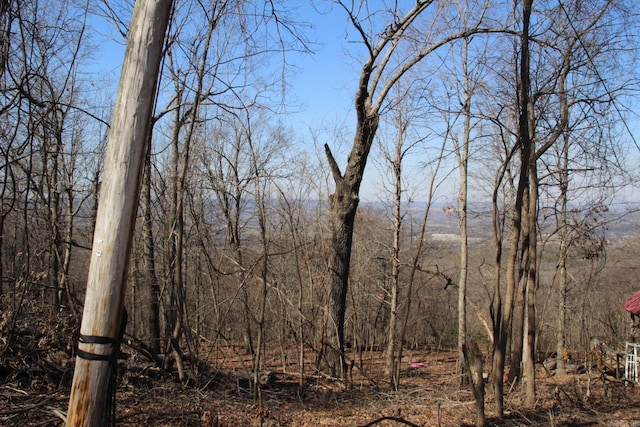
{"points": [[102, 320], [580, 47], [214, 70], [399, 152], [401, 119], [583, 89], [502, 310], [295, 206], [152, 292], [379, 74], [42, 144], [469, 353]]}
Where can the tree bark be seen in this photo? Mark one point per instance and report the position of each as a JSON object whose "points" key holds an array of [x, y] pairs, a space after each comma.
{"points": [[562, 261], [108, 270], [462, 155], [343, 205], [502, 325], [379, 74], [474, 368], [529, 350], [564, 224], [392, 343], [152, 291]]}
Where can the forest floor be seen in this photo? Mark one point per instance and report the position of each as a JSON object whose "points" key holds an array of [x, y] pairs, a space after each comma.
{"points": [[35, 379]]}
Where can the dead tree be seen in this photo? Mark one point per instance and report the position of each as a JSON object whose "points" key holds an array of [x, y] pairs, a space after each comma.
{"points": [[102, 319]]}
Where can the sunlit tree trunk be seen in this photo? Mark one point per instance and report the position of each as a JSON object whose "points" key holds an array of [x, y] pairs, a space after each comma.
{"points": [[503, 323], [104, 303], [529, 349], [373, 88], [390, 360], [462, 155], [562, 260], [343, 204]]}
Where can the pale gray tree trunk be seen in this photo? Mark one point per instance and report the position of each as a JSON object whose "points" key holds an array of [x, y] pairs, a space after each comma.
{"points": [[562, 261], [461, 149], [390, 370], [529, 349], [102, 317], [470, 357], [564, 224]]}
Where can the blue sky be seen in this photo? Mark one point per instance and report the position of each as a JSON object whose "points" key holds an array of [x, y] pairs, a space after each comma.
{"points": [[327, 80], [326, 87], [322, 87], [323, 84]]}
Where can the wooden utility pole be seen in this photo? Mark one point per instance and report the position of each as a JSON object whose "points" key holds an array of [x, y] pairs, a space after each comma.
{"points": [[102, 319]]}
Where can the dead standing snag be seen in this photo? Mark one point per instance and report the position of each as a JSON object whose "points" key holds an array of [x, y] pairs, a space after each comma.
{"points": [[104, 301]]}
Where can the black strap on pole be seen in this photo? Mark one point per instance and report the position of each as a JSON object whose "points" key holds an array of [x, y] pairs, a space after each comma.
{"points": [[111, 358]]}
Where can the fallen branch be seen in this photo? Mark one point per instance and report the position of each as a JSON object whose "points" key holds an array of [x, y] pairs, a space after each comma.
{"points": [[396, 419]]}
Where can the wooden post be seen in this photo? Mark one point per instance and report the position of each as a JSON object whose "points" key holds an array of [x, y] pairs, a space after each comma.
{"points": [[104, 301]]}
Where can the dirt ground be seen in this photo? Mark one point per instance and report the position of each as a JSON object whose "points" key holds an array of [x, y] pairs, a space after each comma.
{"points": [[34, 392]]}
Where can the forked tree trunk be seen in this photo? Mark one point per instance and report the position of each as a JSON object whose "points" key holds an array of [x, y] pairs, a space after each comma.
{"points": [[503, 316], [344, 204], [504, 308], [104, 303], [379, 74], [373, 88], [343, 207]]}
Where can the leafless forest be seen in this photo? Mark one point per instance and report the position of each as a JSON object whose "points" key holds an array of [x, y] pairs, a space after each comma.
{"points": [[474, 275]]}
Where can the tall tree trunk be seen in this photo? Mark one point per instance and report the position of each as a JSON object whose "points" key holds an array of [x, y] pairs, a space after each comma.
{"points": [[54, 216], [379, 74], [564, 225], [264, 270], [462, 155], [562, 260], [390, 360], [102, 323], [179, 171], [415, 262], [529, 350], [502, 326], [519, 311], [174, 324], [65, 284], [469, 355], [152, 291], [343, 205], [502, 323], [497, 302]]}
